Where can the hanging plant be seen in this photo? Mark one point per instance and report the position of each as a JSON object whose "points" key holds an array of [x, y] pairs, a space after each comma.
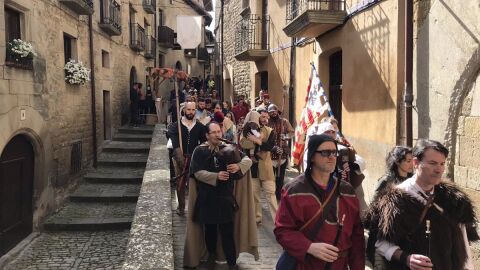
{"points": [[76, 73], [211, 84], [21, 49]]}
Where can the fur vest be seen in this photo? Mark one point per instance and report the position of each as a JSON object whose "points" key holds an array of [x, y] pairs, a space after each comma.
{"points": [[397, 215]]}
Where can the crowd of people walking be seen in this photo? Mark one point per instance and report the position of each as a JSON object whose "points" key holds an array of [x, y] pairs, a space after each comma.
{"points": [[226, 155]]}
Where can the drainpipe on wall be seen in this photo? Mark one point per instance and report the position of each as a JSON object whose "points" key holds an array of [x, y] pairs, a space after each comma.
{"points": [[222, 65], [408, 76], [291, 89], [155, 29], [92, 83]]}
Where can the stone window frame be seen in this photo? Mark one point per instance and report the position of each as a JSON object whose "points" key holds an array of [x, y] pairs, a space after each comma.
{"points": [[105, 59], [73, 53], [23, 7], [161, 17]]}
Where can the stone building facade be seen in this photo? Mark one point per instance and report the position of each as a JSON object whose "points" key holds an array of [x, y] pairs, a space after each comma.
{"points": [[358, 49], [46, 124], [175, 56], [55, 116]]}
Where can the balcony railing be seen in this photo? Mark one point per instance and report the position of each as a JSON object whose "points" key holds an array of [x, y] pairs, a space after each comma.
{"points": [[82, 7], [252, 38], [110, 20], [151, 47], [13, 60], [310, 18], [202, 55], [137, 37], [165, 36], [149, 6]]}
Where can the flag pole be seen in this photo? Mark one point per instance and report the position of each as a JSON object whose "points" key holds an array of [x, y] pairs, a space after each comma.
{"points": [[177, 100]]}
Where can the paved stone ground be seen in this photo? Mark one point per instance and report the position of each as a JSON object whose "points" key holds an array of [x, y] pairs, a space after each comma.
{"points": [[100, 249], [269, 250], [73, 250]]}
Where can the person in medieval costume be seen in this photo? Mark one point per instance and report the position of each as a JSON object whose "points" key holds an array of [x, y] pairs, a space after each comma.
{"points": [[425, 222], [399, 164], [258, 141], [318, 220], [192, 134], [221, 197], [281, 152]]}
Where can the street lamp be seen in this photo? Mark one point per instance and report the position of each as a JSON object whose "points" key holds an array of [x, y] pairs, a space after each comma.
{"points": [[210, 48]]}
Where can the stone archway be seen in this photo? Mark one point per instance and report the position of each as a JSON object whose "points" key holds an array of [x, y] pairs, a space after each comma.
{"points": [[178, 65], [466, 165], [459, 107], [17, 166]]}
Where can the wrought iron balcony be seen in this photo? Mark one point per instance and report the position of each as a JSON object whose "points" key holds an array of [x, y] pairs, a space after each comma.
{"points": [[81, 7], [13, 60], [110, 20], [252, 38], [165, 36], [202, 55], [311, 18], [149, 6], [151, 47], [191, 53], [137, 37]]}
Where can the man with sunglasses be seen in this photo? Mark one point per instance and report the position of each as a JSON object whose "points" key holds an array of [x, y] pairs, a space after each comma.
{"points": [[315, 208], [425, 222]]}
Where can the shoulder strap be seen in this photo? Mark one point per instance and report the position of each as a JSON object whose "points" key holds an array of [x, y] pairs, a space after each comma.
{"points": [[323, 211]]}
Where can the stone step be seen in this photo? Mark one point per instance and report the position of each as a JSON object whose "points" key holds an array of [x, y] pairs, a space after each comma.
{"points": [[89, 224], [92, 216], [136, 130], [123, 162], [126, 147], [125, 137], [88, 192], [118, 178]]}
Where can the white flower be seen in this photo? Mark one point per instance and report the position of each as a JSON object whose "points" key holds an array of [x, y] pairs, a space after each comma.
{"points": [[22, 48], [77, 73]]}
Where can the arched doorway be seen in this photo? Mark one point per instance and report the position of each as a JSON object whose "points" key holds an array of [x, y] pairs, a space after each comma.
{"points": [[133, 76], [16, 192], [178, 65]]}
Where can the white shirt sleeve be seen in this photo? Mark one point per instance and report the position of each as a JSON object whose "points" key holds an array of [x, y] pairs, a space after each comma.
{"points": [[386, 249]]}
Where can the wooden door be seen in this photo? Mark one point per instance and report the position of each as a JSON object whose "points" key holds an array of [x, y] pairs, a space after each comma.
{"points": [[335, 93], [16, 191], [107, 122]]}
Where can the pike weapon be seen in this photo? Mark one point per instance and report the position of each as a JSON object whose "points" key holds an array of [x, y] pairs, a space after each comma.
{"points": [[328, 266], [279, 160]]}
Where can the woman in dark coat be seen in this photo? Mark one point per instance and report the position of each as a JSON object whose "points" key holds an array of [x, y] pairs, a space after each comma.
{"points": [[399, 168]]}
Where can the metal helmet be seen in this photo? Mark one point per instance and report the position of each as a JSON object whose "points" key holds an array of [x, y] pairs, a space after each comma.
{"points": [[272, 108]]}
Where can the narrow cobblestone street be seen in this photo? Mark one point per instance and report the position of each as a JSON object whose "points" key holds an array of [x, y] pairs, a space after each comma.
{"points": [[73, 250]]}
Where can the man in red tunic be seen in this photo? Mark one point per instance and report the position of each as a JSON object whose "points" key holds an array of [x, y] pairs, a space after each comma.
{"points": [[241, 109], [302, 198]]}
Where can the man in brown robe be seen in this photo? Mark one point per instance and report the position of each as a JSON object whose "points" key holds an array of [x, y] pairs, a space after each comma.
{"points": [[207, 181]]}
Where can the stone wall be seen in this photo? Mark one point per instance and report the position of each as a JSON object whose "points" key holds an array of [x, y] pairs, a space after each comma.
{"points": [[59, 114], [446, 65], [239, 73], [467, 163]]}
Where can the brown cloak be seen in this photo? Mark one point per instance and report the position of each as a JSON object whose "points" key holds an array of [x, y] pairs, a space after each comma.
{"points": [[245, 228]]}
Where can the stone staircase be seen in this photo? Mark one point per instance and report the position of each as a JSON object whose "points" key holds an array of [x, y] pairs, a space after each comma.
{"points": [[107, 196]]}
